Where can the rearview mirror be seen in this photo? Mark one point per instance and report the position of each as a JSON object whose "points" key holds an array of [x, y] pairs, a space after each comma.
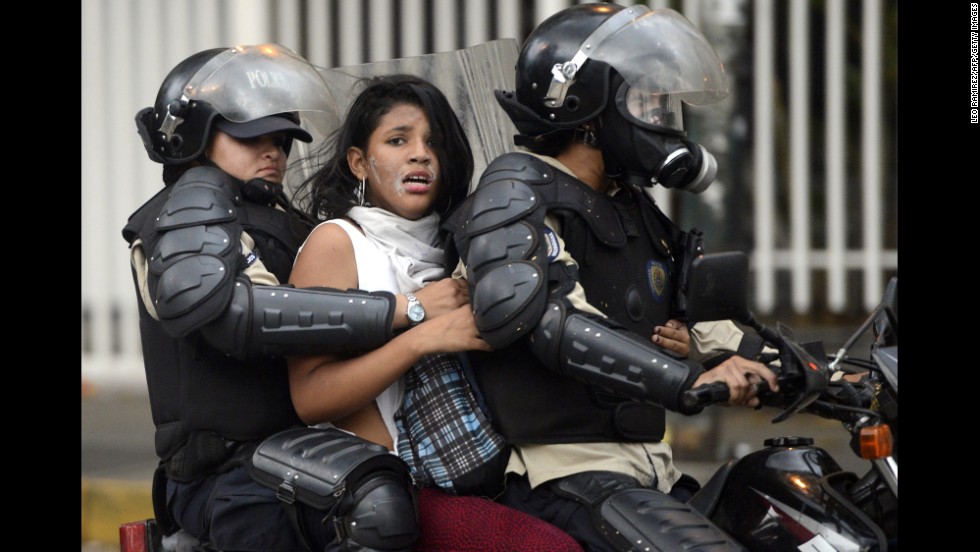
{"points": [[717, 288]]}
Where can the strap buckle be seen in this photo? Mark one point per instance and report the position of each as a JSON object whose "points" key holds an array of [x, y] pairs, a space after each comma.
{"points": [[286, 492]]}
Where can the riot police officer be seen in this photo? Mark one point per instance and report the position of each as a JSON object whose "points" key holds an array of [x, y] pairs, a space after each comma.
{"points": [[211, 253], [574, 276]]}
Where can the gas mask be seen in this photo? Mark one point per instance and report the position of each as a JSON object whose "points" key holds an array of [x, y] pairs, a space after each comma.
{"points": [[642, 139]]}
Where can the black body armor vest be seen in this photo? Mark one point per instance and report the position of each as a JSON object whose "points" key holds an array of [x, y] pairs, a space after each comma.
{"points": [[632, 281], [197, 392]]}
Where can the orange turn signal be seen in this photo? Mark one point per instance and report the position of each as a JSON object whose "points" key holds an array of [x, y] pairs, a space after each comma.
{"points": [[876, 441]]}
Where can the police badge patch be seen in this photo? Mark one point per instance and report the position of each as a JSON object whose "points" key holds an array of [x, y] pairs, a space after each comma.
{"points": [[657, 278], [552, 239]]}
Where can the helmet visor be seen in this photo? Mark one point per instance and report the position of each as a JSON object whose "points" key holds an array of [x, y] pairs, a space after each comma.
{"points": [[662, 52], [246, 83]]}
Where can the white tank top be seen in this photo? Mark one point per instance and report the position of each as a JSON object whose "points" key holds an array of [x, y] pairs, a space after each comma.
{"points": [[375, 272]]}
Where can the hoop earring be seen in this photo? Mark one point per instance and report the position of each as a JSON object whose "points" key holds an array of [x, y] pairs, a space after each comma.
{"points": [[360, 192]]}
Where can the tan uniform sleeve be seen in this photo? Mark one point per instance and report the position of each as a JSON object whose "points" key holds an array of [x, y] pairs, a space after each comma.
{"points": [[577, 296], [137, 258], [257, 272], [711, 338]]}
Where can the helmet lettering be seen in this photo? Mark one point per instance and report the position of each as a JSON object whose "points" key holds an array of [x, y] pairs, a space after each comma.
{"points": [[265, 79]]}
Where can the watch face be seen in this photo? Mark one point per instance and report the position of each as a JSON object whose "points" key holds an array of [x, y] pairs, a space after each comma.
{"points": [[416, 313]]}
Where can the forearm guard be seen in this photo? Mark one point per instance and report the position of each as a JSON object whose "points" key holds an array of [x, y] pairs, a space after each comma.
{"points": [[592, 350], [281, 320]]}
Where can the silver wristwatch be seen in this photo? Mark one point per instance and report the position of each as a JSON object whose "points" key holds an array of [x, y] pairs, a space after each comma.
{"points": [[415, 312]]}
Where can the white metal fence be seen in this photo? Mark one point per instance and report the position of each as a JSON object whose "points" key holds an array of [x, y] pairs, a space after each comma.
{"points": [[816, 243]]}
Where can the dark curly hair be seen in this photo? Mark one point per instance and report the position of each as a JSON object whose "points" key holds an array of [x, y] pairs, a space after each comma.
{"points": [[329, 192]]}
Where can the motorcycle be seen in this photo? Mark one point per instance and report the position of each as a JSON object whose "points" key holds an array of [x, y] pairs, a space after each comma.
{"points": [[792, 495], [789, 495]]}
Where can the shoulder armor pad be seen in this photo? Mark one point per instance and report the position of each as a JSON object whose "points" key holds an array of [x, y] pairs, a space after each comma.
{"points": [[195, 258], [507, 200], [518, 166], [203, 195], [558, 190], [498, 202]]}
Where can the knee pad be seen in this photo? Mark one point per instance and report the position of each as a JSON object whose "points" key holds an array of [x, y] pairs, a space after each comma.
{"points": [[632, 517], [364, 490], [381, 513], [646, 519]]}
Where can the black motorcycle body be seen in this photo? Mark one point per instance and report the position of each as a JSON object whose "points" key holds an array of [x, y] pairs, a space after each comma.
{"points": [[787, 495], [791, 495]]}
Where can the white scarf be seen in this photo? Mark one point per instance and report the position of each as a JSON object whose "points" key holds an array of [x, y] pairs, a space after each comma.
{"points": [[412, 245]]}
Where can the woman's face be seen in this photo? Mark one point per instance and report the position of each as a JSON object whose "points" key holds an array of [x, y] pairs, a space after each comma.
{"points": [[400, 163], [248, 158]]}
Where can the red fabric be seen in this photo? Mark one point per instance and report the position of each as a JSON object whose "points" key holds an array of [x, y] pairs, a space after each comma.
{"points": [[468, 523]]}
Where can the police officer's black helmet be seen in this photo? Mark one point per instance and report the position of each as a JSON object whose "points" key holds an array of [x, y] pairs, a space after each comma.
{"points": [[186, 143], [246, 91], [555, 40]]}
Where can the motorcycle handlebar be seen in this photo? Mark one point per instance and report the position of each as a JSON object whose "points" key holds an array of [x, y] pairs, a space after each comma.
{"points": [[695, 399]]}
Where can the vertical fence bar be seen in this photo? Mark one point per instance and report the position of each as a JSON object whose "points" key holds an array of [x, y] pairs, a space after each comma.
{"points": [[476, 30], [249, 22], [509, 20], [543, 9], [116, 276], [836, 146], [288, 30], [318, 28], [763, 156], [382, 36], [444, 24], [95, 328], [206, 31], [179, 35], [871, 62], [349, 30], [412, 22], [127, 194], [799, 141]]}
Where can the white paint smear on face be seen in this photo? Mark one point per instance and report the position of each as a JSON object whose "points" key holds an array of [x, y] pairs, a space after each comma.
{"points": [[396, 184]]}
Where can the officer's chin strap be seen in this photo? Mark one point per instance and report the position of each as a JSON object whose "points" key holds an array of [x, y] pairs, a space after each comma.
{"points": [[256, 190], [586, 134], [261, 191]]}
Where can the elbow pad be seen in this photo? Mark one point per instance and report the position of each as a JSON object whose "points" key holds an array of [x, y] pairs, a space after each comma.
{"points": [[281, 321], [592, 350]]}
